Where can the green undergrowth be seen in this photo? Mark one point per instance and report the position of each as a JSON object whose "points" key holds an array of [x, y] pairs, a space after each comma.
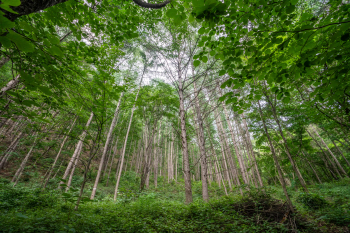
{"points": [[329, 202], [27, 208]]}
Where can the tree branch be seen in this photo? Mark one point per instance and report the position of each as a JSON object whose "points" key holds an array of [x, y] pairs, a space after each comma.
{"points": [[151, 5]]}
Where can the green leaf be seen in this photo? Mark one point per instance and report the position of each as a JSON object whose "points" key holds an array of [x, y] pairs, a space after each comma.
{"points": [[205, 59], [5, 42], [196, 63], [201, 31], [26, 26], [286, 99], [190, 18], [274, 89], [345, 37], [7, 8], [222, 72], [45, 90], [5, 23], [11, 2], [222, 98], [290, 9], [56, 51], [171, 13], [22, 44]]}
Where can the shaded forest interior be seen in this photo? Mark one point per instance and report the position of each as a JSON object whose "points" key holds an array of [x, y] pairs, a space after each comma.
{"points": [[174, 116]]}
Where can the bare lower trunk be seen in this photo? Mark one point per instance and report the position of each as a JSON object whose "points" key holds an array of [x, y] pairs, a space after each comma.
{"points": [[341, 153], [109, 136], [19, 171], [325, 159], [73, 168], [201, 142], [331, 153], [294, 166], [77, 149], [186, 168], [59, 153], [313, 170], [9, 150], [110, 166], [124, 147], [238, 154], [278, 167]]}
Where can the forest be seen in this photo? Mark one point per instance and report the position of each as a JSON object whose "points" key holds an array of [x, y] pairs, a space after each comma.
{"points": [[175, 116]]}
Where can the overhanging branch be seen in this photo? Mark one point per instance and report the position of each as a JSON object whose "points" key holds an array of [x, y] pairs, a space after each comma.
{"points": [[151, 5]]}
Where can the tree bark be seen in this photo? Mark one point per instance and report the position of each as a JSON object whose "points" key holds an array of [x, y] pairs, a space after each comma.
{"points": [[77, 149], [201, 142], [19, 171], [109, 136], [186, 168], [331, 153], [294, 166], [278, 167], [124, 147], [59, 153]]}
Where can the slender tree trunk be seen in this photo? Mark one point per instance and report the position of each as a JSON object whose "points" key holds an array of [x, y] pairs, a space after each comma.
{"points": [[217, 167], [124, 147], [314, 171], [114, 154], [201, 142], [341, 153], [186, 168], [59, 153], [294, 166], [73, 168], [19, 171], [250, 145], [239, 156], [229, 156], [9, 150], [111, 128], [278, 167], [331, 153], [326, 158], [77, 149]]}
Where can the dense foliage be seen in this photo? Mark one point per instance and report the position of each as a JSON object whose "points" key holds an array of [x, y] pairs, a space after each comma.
{"points": [[174, 116]]}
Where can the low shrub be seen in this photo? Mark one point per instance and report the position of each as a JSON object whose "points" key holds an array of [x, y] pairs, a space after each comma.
{"points": [[312, 201]]}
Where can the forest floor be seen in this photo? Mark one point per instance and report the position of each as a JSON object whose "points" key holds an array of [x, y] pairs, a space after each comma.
{"points": [[27, 208]]}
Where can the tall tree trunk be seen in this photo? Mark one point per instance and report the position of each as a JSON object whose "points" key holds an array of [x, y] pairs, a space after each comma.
{"points": [[239, 156], [110, 166], [19, 171], [326, 159], [9, 150], [233, 166], [313, 170], [75, 164], [59, 153], [294, 165], [186, 166], [250, 145], [341, 153], [77, 149], [278, 167], [201, 142], [331, 153], [125, 142], [109, 136]]}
